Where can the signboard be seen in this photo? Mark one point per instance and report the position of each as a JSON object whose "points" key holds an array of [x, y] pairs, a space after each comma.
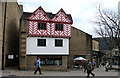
{"points": [[10, 57]]}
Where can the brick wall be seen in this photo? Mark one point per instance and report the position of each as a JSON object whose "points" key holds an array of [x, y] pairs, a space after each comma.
{"points": [[22, 54], [22, 45], [31, 60], [80, 44], [13, 15], [89, 53]]}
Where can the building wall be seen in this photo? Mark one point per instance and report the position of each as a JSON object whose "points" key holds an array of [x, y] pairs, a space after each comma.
{"points": [[22, 44], [115, 52], [80, 45], [13, 15], [95, 45], [89, 53], [26, 62], [49, 49], [31, 60], [50, 30]]}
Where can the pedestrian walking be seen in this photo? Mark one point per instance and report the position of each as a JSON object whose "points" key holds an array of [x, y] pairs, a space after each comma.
{"points": [[106, 66], [37, 64], [85, 65], [90, 69], [95, 65]]}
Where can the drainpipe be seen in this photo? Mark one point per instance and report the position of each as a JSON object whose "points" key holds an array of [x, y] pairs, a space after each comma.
{"points": [[4, 36]]}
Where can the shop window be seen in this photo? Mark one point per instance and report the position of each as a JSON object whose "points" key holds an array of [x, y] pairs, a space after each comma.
{"points": [[59, 27], [58, 62], [41, 42], [41, 26], [42, 61], [58, 43], [51, 61]]}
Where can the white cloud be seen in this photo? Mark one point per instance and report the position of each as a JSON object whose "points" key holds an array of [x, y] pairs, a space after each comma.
{"points": [[82, 11]]}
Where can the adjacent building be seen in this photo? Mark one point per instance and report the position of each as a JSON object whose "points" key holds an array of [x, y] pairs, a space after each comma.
{"points": [[95, 45], [9, 33], [80, 45], [104, 48], [115, 54], [97, 54]]}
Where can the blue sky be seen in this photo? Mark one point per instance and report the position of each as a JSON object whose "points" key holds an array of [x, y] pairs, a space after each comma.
{"points": [[82, 11]]}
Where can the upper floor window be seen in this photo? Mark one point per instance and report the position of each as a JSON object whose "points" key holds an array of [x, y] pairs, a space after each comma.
{"points": [[59, 27], [42, 26], [41, 42], [58, 43]]}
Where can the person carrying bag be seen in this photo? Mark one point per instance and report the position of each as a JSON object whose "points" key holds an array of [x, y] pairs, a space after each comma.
{"points": [[37, 64]]}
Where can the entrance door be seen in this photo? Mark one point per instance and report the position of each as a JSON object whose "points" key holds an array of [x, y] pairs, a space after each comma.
{"points": [[12, 60]]}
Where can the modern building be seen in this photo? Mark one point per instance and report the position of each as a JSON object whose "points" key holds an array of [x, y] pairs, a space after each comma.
{"points": [[9, 33], [45, 35]]}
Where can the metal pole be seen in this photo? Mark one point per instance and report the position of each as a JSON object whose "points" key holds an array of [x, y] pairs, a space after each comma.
{"points": [[4, 36]]}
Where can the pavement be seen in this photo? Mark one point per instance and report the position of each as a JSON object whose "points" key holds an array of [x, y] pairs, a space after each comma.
{"points": [[99, 72]]}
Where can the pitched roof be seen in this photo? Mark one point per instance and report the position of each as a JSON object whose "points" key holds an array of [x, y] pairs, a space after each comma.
{"points": [[25, 15]]}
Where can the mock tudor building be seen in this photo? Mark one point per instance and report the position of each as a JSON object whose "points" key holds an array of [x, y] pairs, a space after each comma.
{"points": [[45, 35], [52, 38]]}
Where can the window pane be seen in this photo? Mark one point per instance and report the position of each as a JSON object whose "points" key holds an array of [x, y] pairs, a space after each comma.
{"points": [[56, 26], [44, 43], [58, 43], [42, 61], [41, 42], [49, 61], [59, 27], [38, 25], [42, 26], [58, 62]]}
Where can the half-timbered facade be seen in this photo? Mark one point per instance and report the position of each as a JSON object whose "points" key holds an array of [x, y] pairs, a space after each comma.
{"points": [[45, 35]]}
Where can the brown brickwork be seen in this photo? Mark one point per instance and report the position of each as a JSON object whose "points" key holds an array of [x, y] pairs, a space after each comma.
{"points": [[23, 36], [13, 14], [31, 60], [80, 45], [22, 52]]}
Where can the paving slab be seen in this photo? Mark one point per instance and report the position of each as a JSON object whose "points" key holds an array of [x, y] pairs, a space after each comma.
{"points": [[70, 73]]}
